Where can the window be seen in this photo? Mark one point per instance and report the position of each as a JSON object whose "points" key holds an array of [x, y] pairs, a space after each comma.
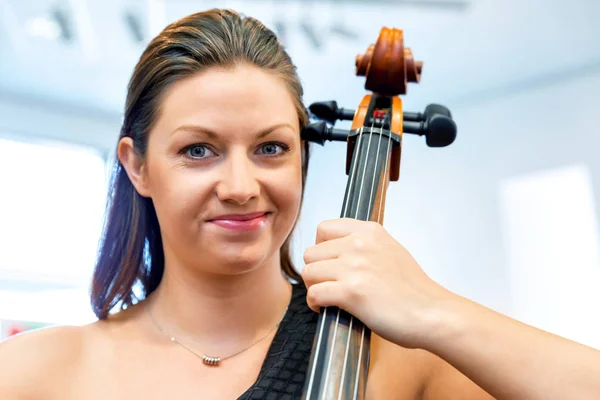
{"points": [[52, 199], [551, 238]]}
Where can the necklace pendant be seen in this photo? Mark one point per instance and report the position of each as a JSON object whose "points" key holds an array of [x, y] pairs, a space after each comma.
{"points": [[212, 361]]}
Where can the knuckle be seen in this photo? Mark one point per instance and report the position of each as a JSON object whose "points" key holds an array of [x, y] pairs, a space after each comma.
{"points": [[307, 256], [375, 228], [305, 273], [358, 243], [354, 289], [322, 227], [354, 284], [308, 274], [312, 296], [343, 301]]}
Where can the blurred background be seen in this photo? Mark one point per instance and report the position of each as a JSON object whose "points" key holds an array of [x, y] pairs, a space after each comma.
{"points": [[506, 216]]}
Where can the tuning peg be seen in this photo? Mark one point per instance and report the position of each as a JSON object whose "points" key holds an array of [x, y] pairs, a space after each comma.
{"points": [[319, 132], [329, 111], [433, 109], [430, 111], [435, 123], [441, 131]]}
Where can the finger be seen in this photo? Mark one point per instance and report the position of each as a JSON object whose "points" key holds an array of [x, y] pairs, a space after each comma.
{"points": [[337, 228], [325, 294], [324, 251], [321, 271]]}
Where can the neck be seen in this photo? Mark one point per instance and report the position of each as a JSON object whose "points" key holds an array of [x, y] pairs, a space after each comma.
{"points": [[219, 314]]}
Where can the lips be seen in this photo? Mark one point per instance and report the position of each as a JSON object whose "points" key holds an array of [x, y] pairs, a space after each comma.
{"points": [[241, 222], [238, 217]]}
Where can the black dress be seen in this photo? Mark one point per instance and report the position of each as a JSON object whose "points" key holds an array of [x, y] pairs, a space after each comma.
{"points": [[284, 369]]}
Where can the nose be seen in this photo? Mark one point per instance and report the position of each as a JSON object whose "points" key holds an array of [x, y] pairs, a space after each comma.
{"points": [[239, 180]]}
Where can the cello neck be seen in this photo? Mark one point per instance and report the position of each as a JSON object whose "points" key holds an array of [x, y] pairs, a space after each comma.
{"points": [[373, 148], [341, 351]]}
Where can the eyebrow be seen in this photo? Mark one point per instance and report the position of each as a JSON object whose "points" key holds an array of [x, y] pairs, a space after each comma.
{"points": [[213, 135]]}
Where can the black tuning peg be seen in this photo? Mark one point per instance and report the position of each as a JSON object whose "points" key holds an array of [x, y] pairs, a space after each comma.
{"points": [[433, 109], [430, 110], [329, 111], [319, 132], [441, 131], [435, 123]]}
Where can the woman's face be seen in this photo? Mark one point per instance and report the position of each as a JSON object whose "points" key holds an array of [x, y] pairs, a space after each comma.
{"points": [[224, 170]]}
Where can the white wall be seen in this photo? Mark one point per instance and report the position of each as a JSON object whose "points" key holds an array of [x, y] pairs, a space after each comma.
{"points": [[30, 119]]}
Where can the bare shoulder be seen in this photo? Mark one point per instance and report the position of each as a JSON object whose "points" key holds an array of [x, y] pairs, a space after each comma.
{"points": [[66, 362], [398, 373], [34, 362]]}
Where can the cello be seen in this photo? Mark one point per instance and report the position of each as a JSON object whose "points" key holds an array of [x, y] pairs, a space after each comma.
{"points": [[339, 361]]}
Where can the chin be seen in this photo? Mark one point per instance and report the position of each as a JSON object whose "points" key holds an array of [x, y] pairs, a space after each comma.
{"points": [[240, 259]]}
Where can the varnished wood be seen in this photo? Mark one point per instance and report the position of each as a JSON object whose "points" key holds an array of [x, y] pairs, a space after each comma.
{"points": [[358, 121], [397, 120]]}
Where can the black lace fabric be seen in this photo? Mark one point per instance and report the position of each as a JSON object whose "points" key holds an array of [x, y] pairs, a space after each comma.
{"points": [[283, 372]]}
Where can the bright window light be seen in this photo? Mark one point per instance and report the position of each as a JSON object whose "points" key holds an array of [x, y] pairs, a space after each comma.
{"points": [[51, 208], [551, 238], [43, 27]]}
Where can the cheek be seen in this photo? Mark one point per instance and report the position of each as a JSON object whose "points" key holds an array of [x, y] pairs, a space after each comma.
{"points": [[286, 193], [178, 195]]}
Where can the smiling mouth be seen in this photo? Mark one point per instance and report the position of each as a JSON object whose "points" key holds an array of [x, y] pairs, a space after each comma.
{"points": [[241, 222]]}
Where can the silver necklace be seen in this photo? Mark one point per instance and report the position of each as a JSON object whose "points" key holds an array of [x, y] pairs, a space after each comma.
{"points": [[210, 360]]}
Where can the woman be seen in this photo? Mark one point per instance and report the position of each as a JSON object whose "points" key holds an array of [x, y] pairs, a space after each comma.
{"points": [[206, 192]]}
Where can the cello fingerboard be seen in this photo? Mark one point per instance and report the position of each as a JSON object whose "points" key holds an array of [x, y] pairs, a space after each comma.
{"points": [[340, 359]]}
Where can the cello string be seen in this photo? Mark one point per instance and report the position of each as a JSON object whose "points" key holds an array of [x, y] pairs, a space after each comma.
{"points": [[368, 217], [357, 203], [360, 352], [379, 220], [344, 207], [385, 176], [345, 358], [350, 330]]}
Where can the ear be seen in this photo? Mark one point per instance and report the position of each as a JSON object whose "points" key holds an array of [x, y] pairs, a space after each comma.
{"points": [[134, 166]]}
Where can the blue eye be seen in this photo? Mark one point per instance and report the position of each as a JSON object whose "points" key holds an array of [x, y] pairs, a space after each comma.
{"points": [[197, 151], [271, 149]]}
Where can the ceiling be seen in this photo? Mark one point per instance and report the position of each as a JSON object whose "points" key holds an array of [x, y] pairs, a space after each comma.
{"points": [[472, 50]]}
